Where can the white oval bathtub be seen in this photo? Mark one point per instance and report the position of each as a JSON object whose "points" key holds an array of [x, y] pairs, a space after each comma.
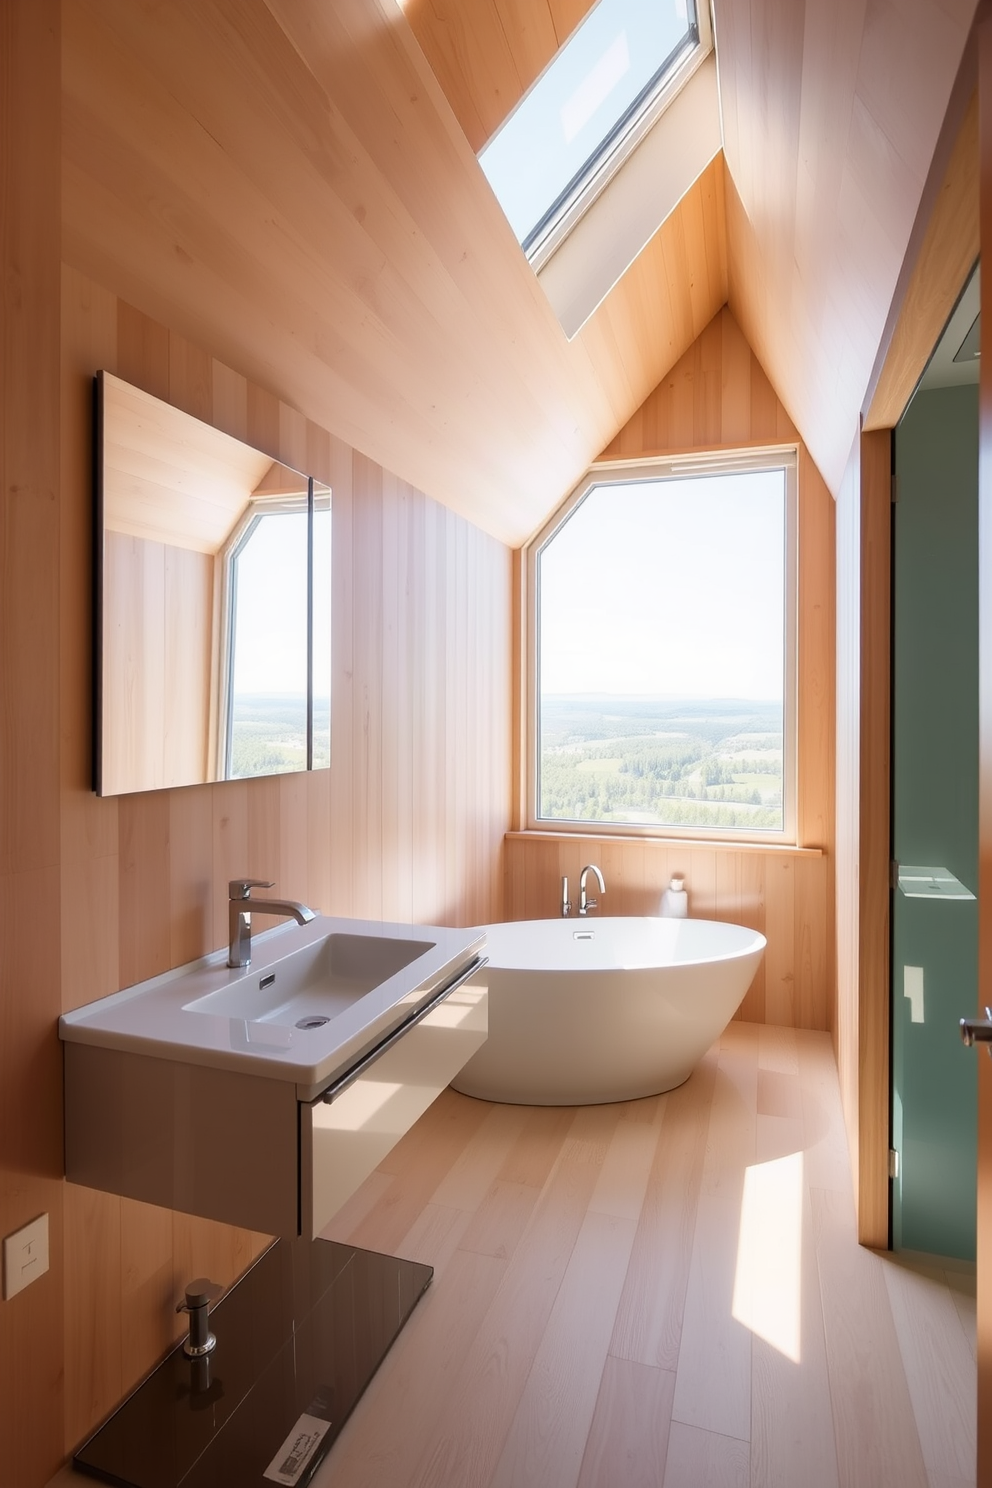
{"points": [[586, 1011]]}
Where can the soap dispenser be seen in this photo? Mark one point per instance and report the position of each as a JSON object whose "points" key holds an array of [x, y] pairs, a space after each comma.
{"points": [[675, 901], [199, 1295]]}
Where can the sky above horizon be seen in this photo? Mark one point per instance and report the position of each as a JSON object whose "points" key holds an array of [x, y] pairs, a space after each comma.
{"points": [[270, 650], [668, 588]]}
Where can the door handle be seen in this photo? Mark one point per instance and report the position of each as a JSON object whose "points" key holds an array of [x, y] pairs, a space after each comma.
{"points": [[977, 1030]]}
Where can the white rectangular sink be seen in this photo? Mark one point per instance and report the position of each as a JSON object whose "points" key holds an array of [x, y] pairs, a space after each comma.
{"points": [[314, 998], [263, 1095], [313, 986]]}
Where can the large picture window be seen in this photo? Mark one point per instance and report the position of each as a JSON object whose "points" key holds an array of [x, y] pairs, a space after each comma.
{"points": [[664, 633]]}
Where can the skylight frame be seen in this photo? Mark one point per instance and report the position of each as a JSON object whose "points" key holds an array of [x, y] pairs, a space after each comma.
{"points": [[541, 242]]}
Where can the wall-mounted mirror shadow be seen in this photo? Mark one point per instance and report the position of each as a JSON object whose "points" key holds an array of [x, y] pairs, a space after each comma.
{"points": [[213, 574]]}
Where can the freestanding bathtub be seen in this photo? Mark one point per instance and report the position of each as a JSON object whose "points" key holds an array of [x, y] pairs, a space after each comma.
{"points": [[587, 1011]]}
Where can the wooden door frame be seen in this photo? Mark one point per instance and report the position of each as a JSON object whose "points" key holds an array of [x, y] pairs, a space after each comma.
{"points": [[955, 217], [984, 1237], [942, 250]]}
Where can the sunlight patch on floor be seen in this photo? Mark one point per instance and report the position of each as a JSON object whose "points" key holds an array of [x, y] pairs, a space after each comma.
{"points": [[768, 1279]]}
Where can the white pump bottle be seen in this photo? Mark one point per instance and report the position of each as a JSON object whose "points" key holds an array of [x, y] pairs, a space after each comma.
{"points": [[675, 901]]}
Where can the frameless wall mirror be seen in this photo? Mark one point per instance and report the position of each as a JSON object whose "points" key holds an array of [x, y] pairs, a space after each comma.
{"points": [[213, 607]]}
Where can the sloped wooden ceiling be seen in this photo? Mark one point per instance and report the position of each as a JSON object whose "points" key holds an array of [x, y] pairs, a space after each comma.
{"points": [[831, 112], [284, 182], [486, 53]]}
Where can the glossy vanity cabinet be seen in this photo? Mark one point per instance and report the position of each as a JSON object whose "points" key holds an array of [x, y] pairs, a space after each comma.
{"points": [[344, 1138], [241, 1134]]}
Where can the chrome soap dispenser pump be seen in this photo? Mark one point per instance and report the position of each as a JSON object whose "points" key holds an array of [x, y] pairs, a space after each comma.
{"points": [[199, 1295]]}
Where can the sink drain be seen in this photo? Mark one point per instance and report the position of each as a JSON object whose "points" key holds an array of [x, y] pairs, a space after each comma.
{"points": [[314, 1021]]}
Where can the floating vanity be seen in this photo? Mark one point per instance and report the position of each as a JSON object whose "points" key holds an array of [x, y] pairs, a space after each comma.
{"points": [[263, 1096]]}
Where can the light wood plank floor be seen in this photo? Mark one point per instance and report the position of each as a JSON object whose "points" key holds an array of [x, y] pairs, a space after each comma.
{"points": [[667, 1292]]}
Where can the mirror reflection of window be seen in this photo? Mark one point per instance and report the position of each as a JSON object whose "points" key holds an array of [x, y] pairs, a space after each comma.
{"points": [[321, 627], [209, 665], [267, 702]]}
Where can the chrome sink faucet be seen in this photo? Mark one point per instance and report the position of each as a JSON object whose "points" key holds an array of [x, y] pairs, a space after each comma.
{"points": [[240, 912], [585, 903]]}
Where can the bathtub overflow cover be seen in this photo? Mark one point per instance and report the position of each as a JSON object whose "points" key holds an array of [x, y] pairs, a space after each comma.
{"points": [[314, 1021], [583, 935]]}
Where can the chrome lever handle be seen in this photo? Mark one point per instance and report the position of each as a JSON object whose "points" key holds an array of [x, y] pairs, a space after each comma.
{"points": [[977, 1030], [240, 888]]}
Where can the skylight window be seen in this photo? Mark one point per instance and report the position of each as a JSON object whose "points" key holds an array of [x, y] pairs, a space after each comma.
{"points": [[574, 126]]}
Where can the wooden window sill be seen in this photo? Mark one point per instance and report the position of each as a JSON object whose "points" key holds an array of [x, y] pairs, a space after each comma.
{"points": [[695, 844]]}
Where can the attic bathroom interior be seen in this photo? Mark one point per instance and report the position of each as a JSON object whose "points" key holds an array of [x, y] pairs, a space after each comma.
{"points": [[399, 536]]}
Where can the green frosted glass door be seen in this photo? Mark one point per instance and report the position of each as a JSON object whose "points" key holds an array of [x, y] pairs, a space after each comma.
{"points": [[935, 821]]}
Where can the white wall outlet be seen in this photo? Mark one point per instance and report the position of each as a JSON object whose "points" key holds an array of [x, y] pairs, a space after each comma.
{"points": [[25, 1256]]}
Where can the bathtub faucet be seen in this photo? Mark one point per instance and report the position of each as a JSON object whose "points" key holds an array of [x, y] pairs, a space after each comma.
{"points": [[585, 903], [566, 903]]}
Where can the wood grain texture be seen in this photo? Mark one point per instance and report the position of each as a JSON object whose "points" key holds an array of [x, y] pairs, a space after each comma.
{"points": [[846, 1028], [939, 1363], [31, 1377], [984, 1235], [946, 257], [831, 116], [864, 517], [856, 1305], [176, 482], [875, 835], [408, 825], [321, 222], [759, 1095], [663, 301], [513, 1367], [718, 397], [158, 646], [715, 396], [486, 53]]}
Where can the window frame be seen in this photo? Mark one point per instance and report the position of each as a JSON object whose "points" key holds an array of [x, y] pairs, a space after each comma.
{"points": [[227, 556], [623, 472], [567, 210]]}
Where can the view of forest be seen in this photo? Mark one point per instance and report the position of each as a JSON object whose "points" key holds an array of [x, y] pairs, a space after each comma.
{"points": [[269, 734], [661, 761]]}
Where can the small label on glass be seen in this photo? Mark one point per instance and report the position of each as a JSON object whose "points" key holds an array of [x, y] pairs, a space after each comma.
{"points": [[288, 1465]]}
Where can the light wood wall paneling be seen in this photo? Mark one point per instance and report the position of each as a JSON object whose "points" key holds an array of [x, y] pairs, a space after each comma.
{"points": [[863, 822], [984, 1236], [848, 778], [146, 661], [787, 895], [486, 53], [662, 302], [946, 256], [323, 225], [717, 396], [819, 214], [409, 823], [875, 839], [31, 1378]]}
